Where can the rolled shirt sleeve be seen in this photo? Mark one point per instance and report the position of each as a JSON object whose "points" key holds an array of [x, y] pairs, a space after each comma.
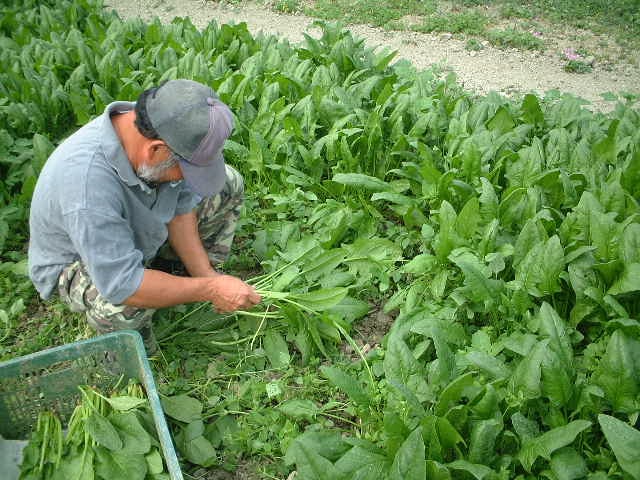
{"points": [[187, 201], [106, 247]]}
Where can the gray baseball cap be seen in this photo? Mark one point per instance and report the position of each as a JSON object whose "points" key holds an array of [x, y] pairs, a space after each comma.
{"points": [[190, 118]]}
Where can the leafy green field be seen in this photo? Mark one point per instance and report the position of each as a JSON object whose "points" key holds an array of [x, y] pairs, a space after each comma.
{"points": [[501, 236]]}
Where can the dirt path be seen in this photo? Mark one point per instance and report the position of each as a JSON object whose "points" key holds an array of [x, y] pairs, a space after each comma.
{"points": [[505, 71]]}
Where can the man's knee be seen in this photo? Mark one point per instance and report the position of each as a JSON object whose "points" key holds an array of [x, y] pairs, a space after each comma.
{"points": [[74, 285], [235, 183], [105, 317], [77, 290], [213, 210]]}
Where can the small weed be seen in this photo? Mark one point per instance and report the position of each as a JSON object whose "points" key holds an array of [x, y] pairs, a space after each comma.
{"points": [[473, 45], [409, 42], [513, 38], [577, 66], [396, 25], [287, 6], [474, 3], [511, 10], [467, 22], [577, 61]]}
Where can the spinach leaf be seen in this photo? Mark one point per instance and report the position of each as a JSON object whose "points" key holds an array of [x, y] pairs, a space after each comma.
{"points": [[103, 431], [625, 443]]}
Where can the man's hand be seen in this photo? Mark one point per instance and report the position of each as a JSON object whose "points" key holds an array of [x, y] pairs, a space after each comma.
{"points": [[229, 293]]}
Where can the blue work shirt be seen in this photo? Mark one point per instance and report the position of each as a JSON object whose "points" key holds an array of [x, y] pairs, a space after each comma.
{"points": [[89, 205]]}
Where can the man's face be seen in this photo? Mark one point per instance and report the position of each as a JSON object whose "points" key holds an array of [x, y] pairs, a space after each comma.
{"points": [[163, 166]]}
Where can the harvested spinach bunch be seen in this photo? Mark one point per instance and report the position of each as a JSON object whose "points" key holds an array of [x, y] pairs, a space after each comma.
{"points": [[107, 438]]}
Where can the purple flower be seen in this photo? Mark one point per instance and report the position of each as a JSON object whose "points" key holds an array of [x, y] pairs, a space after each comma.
{"points": [[537, 34], [570, 54]]}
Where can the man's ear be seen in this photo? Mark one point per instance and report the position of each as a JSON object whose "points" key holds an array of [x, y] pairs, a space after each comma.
{"points": [[157, 145], [155, 149]]}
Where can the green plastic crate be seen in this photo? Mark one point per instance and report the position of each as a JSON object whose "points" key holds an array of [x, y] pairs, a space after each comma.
{"points": [[49, 380]]}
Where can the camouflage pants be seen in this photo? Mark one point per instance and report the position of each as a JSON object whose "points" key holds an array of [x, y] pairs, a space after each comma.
{"points": [[217, 219]]}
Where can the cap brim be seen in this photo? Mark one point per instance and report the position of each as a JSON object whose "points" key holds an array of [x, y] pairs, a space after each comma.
{"points": [[206, 180]]}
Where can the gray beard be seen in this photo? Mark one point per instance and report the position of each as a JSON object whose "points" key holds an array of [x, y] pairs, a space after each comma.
{"points": [[154, 173]]}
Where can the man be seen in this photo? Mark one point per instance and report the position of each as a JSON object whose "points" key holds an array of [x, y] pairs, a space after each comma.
{"points": [[113, 193]]}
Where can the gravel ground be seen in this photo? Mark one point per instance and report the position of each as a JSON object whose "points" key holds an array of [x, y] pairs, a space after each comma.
{"points": [[505, 71]]}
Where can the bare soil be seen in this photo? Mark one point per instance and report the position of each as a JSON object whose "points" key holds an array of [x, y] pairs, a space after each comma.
{"points": [[507, 71]]}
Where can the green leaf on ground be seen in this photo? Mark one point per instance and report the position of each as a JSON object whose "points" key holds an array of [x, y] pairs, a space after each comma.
{"points": [[276, 349], [624, 441], [618, 373], [547, 443], [182, 408], [348, 384], [409, 461], [299, 409]]}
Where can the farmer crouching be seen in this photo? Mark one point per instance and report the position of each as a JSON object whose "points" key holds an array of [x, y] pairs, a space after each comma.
{"points": [[141, 181]]}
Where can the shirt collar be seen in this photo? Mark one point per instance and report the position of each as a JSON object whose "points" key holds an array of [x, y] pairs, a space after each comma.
{"points": [[113, 150]]}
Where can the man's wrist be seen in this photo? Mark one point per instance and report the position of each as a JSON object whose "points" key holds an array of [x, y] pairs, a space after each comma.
{"points": [[199, 289], [204, 271]]}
